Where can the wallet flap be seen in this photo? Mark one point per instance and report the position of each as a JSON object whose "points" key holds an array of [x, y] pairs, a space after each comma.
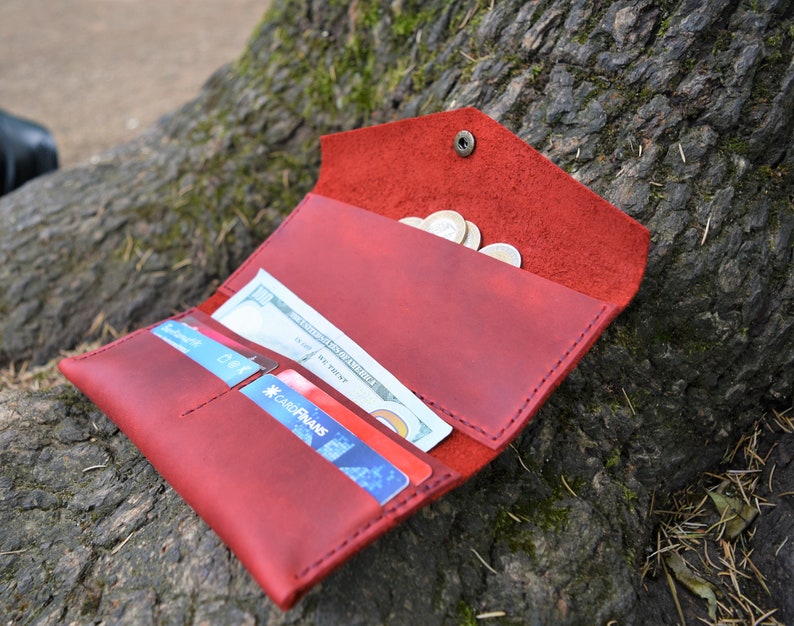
{"points": [[564, 231]]}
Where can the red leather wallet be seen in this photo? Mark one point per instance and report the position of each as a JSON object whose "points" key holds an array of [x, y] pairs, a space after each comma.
{"points": [[480, 342]]}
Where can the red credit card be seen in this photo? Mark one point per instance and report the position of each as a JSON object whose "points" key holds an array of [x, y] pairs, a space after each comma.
{"points": [[413, 467]]}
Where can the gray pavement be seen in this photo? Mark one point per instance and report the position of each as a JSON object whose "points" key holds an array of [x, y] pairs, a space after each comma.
{"points": [[97, 72]]}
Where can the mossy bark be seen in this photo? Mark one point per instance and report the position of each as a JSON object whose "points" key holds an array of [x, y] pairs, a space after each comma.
{"points": [[677, 112]]}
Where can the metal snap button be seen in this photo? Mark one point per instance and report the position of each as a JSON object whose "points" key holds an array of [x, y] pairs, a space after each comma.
{"points": [[464, 143]]}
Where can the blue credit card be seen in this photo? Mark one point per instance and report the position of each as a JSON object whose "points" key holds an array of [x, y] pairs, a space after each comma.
{"points": [[227, 364], [335, 443]]}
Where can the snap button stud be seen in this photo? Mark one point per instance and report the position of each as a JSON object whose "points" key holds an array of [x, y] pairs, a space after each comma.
{"points": [[464, 143]]}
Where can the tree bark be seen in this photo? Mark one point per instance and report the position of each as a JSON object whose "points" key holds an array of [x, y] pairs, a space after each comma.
{"points": [[677, 112]]}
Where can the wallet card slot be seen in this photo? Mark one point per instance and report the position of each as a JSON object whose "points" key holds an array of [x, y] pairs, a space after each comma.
{"points": [[416, 464], [171, 380], [481, 342], [419, 467], [327, 437], [332, 401], [287, 512], [240, 348]]}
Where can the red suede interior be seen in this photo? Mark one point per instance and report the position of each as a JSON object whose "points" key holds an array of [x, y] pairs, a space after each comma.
{"points": [[564, 231]]}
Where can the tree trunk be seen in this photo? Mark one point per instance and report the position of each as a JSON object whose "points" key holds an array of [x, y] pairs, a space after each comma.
{"points": [[677, 112]]}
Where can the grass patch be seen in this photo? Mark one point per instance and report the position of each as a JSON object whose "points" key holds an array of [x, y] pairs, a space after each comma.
{"points": [[25, 377]]}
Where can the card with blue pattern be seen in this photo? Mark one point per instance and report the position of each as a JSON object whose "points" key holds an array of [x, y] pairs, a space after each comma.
{"points": [[335, 443]]}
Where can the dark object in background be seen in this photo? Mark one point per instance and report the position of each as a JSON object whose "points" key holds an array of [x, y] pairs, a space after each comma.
{"points": [[27, 150]]}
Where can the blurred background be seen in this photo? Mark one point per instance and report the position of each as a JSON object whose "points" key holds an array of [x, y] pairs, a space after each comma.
{"points": [[98, 72]]}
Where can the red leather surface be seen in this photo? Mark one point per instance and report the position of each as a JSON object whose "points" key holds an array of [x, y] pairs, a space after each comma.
{"points": [[482, 343], [564, 231], [479, 341], [119, 378], [289, 515]]}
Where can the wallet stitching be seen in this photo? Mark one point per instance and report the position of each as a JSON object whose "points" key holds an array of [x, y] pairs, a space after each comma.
{"points": [[385, 513], [205, 403], [134, 334], [534, 392]]}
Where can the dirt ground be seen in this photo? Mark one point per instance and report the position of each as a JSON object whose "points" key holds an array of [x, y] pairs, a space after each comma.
{"points": [[97, 72]]}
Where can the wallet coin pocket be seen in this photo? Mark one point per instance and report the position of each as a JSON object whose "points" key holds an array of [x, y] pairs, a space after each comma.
{"points": [[480, 342]]}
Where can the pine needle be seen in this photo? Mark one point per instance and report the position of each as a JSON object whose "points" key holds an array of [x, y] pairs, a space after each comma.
{"points": [[483, 561], [711, 530]]}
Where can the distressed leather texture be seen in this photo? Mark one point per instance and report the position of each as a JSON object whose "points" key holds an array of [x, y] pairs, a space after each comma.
{"points": [[483, 344]]}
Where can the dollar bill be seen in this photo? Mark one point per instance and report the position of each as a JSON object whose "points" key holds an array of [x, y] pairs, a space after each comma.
{"points": [[267, 312]]}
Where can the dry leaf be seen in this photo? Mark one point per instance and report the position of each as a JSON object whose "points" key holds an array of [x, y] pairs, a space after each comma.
{"points": [[737, 514], [697, 585]]}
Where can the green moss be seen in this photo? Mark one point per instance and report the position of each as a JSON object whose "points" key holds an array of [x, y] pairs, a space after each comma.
{"points": [[92, 598], [517, 534], [582, 37], [766, 172], [626, 336], [348, 70], [466, 615], [608, 140], [370, 14], [629, 495], [774, 41], [764, 91], [321, 95], [613, 460], [599, 10], [406, 23], [551, 517], [517, 526], [359, 58], [396, 74], [664, 26], [722, 42], [75, 402], [540, 10], [537, 70]]}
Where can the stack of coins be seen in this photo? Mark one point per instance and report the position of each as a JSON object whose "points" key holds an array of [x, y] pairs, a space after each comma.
{"points": [[451, 225]]}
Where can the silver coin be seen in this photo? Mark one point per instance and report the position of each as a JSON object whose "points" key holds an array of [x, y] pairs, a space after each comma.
{"points": [[473, 237], [447, 224], [504, 252], [416, 222]]}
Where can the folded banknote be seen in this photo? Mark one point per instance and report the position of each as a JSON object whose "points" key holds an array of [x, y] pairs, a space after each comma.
{"points": [[267, 312]]}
